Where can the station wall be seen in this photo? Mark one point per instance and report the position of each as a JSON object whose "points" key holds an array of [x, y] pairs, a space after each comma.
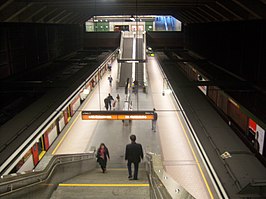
{"points": [[238, 47], [26, 46], [101, 40], [159, 39]]}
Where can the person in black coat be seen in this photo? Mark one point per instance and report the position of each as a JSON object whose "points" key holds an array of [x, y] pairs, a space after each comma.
{"points": [[102, 155], [110, 99], [134, 154]]}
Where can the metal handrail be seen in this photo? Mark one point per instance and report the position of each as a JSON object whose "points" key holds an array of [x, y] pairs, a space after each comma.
{"points": [[10, 183], [161, 184], [155, 192]]}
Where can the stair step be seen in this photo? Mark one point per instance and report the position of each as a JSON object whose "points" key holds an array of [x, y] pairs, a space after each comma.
{"points": [[112, 184]]}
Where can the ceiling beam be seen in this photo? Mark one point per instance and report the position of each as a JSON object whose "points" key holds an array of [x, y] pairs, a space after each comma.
{"points": [[52, 19], [239, 11], [70, 19], [37, 11], [6, 4], [18, 12], [183, 18], [210, 14], [43, 16], [212, 8], [52, 15], [256, 8], [223, 11], [201, 14], [228, 9], [86, 17], [193, 18], [77, 20], [61, 18]]}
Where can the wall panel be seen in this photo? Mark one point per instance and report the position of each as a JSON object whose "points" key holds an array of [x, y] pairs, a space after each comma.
{"points": [[26, 46]]}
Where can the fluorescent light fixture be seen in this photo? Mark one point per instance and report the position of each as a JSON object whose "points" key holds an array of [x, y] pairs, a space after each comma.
{"points": [[132, 61]]}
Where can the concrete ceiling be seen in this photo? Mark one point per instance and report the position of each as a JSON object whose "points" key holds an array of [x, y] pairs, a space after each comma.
{"points": [[78, 11]]}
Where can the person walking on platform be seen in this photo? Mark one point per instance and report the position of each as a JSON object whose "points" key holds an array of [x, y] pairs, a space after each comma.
{"points": [[110, 99], [153, 122], [134, 154], [106, 103], [110, 79], [102, 155], [135, 86], [116, 103]]}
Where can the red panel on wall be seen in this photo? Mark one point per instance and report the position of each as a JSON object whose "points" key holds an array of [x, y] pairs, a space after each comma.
{"points": [[46, 140], [65, 116], [35, 154]]}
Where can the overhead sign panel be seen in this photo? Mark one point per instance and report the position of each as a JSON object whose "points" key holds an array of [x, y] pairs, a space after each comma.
{"points": [[117, 115]]}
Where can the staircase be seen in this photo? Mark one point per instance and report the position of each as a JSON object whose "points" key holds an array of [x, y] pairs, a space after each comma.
{"points": [[112, 184]]}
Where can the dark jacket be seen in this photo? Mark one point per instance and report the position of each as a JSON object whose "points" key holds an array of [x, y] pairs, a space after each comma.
{"points": [[110, 98], [134, 152], [106, 154], [155, 116]]}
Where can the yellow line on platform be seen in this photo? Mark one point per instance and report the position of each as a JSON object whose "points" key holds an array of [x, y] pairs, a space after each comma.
{"points": [[103, 185], [62, 139], [68, 130], [195, 156]]}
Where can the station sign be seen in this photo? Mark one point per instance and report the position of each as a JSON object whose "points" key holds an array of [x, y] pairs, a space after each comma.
{"points": [[117, 115]]}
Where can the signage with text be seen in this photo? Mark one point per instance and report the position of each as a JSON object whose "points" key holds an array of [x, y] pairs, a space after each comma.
{"points": [[117, 115]]}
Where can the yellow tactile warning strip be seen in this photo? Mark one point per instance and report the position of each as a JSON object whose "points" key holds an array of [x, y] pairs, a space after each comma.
{"points": [[103, 185], [195, 156], [68, 130]]}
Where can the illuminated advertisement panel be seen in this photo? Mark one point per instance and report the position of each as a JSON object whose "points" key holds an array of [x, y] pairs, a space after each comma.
{"points": [[259, 135]]}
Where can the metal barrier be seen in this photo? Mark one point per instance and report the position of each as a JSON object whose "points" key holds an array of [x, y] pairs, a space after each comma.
{"points": [[162, 186], [65, 166]]}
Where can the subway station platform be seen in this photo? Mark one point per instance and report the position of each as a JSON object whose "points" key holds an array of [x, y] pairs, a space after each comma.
{"points": [[171, 138]]}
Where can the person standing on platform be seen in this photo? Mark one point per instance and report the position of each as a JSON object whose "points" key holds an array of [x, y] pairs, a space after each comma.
{"points": [[102, 155], [109, 67], [153, 122], [118, 97], [110, 99], [134, 154], [116, 103], [110, 79]]}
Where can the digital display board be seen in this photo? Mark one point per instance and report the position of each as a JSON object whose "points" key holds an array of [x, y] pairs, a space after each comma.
{"points": [[117, 115]]}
